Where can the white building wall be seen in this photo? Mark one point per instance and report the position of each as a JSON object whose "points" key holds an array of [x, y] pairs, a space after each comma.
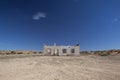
{"points": [[59, 50]]}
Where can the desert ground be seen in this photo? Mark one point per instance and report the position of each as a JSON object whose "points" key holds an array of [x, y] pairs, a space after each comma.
{"points": [[60, 68]]}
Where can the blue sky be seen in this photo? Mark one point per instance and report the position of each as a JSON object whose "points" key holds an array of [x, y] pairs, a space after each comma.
{"points": [[27, 24]]}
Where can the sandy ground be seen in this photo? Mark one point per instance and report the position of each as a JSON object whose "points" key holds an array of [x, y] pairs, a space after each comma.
{"points": [[60, 68]]}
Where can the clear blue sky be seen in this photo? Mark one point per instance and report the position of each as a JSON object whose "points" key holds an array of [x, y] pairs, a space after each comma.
{"points": [[27, 24]]}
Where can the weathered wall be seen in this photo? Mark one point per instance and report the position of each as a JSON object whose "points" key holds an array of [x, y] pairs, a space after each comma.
{"points": [[58, 50]]}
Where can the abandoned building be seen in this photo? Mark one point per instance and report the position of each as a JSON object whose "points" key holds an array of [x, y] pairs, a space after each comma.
{"points": [[61, 50]]}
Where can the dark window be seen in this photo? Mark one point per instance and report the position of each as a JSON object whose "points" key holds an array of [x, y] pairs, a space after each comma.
{"points": [[72, 50], [64, 50]]}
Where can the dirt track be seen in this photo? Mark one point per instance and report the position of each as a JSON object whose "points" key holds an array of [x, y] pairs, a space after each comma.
{"points": [[60, 68]]}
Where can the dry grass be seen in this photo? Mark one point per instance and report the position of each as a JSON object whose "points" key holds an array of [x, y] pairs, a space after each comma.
{"points": [[60, 68]]}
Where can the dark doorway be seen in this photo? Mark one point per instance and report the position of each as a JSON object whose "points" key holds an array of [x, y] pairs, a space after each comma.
{"points": [[72, 50]]}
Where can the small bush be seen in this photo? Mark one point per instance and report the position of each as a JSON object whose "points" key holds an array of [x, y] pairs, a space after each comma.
{"points": [[34, 52], [12, 52], [104, 54], [40, 52], [20, 53]]}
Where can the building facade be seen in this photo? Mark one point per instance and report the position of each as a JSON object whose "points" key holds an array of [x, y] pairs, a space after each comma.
{"points": [[61, 50]]}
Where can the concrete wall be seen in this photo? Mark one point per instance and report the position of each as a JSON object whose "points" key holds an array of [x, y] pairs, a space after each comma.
{"points": [[58, 50]]}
